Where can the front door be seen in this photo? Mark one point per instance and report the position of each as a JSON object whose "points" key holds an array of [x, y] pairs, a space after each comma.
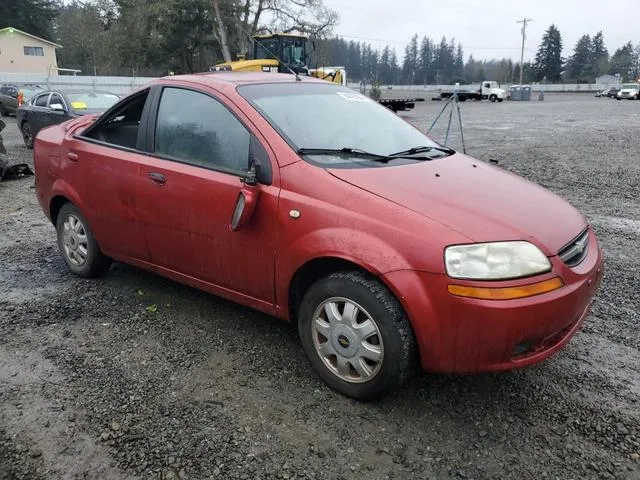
{"points": [[190, 187]]}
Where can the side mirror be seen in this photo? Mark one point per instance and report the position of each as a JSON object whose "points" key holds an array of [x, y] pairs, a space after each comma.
{"points": [[56, 107], [246, 202]]}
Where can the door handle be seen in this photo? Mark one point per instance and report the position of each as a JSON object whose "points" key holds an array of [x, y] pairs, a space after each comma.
{"points": [[158, 178], [72, 156]]}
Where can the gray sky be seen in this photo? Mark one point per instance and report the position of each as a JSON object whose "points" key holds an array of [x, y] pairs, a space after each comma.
{"points": [[486, 28]]}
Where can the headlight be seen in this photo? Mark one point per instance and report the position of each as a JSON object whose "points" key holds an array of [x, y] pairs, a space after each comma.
{"points": [[495, 261]]}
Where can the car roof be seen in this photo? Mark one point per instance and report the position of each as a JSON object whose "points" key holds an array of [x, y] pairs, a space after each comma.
{"points": [[218, 79]]}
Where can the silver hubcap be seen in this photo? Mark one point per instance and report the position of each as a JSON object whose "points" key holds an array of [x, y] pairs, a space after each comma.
{"points": [[74, 241], [347, 340]]}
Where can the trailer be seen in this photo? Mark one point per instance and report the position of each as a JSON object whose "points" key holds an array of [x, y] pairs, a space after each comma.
{"points": [[399, 104]]}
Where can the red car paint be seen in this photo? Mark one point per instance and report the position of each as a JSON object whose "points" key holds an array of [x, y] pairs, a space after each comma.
{"points": [[393, 222]]}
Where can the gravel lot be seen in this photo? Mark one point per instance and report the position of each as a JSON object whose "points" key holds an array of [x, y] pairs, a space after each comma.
{"points": [[92, 385]]}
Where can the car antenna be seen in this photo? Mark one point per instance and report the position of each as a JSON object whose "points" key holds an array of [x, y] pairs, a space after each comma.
{"points": [[295, 74]]}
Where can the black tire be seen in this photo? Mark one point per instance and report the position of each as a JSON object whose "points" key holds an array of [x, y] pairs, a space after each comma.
{"points": [[397, 337], [95, 263], [500, 100], [27, 134], [492, 98]]}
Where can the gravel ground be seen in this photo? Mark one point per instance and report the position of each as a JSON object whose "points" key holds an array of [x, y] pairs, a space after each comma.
{"points": [[92, 385]]}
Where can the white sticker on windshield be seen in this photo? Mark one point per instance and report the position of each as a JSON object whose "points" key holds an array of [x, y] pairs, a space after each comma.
{"points": [[356, 97]]}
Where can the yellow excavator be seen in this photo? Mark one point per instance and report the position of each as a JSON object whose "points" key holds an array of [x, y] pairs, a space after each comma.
{"points": [[289, 53]]}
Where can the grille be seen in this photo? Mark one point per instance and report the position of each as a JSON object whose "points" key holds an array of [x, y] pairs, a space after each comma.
{"points": [[576, 251]]}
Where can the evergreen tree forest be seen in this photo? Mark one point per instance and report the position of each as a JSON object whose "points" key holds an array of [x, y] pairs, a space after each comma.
{"points": [[154, 37]]}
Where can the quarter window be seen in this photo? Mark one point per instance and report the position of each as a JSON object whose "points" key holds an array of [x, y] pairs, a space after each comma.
{"points": [[199, 130], [34, 51]]}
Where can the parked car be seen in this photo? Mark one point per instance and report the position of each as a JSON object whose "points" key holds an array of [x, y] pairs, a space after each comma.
{"points": [[51, 107], [610, 92], [629, 91], [315, 204], [12, 96]]}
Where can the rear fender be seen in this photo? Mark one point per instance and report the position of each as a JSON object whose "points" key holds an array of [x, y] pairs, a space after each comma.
{"points": [[61, 188]]}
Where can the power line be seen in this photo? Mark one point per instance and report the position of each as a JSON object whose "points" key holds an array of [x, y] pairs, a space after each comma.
{"points": [[524, 22]]}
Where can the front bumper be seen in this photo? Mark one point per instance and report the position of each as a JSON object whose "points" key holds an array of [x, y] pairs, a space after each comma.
{"points": [[464, 335]]}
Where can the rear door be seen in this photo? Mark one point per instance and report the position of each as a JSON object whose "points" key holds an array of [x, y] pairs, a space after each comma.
{"points": [[53, 116], [201, 143], [36, 113]]}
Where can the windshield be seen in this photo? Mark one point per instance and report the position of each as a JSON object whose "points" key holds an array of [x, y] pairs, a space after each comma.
{"points": [[332, 117], [267, 48], [629, 86], [293, 51], [92, 101]]}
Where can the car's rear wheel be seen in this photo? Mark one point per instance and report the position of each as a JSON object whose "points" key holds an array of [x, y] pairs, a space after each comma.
{"points": [[356, 335], [78, 245], [27, 134]]}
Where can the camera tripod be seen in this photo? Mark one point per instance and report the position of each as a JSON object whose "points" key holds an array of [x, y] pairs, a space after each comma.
{"points": [[453, 99]]}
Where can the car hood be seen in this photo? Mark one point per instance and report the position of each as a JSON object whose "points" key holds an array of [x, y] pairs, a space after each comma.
{"points": [[480, 201]]}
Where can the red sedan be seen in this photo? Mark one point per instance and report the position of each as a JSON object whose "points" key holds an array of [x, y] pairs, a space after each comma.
{"points": [[312, 203]]}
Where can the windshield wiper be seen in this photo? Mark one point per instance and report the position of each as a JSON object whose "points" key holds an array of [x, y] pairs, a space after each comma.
{"points": [[421, 149], [354, 152]]}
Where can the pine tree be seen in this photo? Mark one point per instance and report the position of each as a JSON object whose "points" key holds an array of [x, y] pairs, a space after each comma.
{"points": [[599, 55], [623, 62], [580, 67], [394, 69], [548, 62], [425, 61], [443, 62], [410, 62], [32, 16], [384, 73], [458, 65]]}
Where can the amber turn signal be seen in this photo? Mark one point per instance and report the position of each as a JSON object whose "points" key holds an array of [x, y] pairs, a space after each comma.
{"points": [[506, 293]]}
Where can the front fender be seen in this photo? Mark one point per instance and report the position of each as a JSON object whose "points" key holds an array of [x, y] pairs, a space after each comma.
{"points": [[360, 248]]}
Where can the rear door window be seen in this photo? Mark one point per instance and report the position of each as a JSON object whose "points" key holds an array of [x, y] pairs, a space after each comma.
{"points": [[121, 126]]}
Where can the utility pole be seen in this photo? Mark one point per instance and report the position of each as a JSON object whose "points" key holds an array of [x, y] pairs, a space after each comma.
{"points": [[524, 22]]}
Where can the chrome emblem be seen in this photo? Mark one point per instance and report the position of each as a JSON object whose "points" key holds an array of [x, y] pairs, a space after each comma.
{"points": [[581, 244]]}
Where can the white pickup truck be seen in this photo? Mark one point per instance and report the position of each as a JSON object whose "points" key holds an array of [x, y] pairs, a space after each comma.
{"points": [[630, 91]]}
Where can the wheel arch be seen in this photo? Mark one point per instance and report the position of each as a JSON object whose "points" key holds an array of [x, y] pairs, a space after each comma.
{"points": [[56, 204], [319, 267]]}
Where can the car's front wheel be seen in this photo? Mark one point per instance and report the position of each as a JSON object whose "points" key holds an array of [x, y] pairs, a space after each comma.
{"points": [[78, 245], [356, 335], [27, 134]]}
